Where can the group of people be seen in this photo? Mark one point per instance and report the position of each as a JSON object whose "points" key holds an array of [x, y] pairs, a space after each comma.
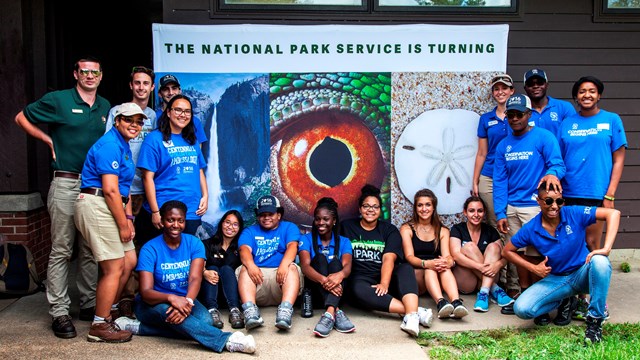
{"points": [[112, 164], [535, 155], [137, 174]]}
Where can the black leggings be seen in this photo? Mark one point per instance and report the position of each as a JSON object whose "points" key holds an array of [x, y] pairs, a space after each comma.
{"points": [[319, 263], [361, 294]]}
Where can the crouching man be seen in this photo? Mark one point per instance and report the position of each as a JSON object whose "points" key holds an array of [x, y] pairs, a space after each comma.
{"points": [[568, 268]]}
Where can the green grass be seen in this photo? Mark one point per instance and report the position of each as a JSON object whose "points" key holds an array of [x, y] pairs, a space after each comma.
{"points": [[620, 341]]}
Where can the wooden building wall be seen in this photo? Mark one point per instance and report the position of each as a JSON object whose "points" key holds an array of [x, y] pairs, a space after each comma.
{"points": [[560, 37]]}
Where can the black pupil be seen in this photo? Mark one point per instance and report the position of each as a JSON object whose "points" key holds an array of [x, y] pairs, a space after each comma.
{"points": [[330, 162]]}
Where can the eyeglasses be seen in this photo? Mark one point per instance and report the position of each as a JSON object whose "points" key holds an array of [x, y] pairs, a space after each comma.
{"points": [[549, 201], [180, 111], [234, 225], [86, 72], [129, 120], [371, 207], [516, 114]]}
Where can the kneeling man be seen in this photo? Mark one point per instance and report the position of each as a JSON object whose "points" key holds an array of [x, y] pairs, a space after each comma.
{"points": [[568, 268]]}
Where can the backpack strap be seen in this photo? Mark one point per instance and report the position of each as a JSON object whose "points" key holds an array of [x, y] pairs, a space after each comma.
{"points": [[5, 259]]}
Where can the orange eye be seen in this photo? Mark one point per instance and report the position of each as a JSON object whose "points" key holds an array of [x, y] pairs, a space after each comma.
{"points": [[328, 154], [320, 149]]}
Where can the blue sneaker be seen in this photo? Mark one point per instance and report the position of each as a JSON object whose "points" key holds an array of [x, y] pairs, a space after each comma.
{"points": [[500, 297], [482, 302]]}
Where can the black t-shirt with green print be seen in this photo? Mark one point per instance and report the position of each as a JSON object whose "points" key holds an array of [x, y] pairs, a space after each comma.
{"points": [[369, 246]]}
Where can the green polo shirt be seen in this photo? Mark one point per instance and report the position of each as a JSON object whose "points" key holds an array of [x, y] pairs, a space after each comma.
{"points": [[74, 126]]}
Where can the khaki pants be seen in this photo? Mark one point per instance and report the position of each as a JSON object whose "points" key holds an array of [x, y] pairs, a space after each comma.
{"points": [[509, 273], [269, 293], [60, 204], [518, 216]]}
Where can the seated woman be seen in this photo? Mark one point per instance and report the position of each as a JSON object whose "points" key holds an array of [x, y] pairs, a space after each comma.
{"points": [[476, 248], [220, 269], [170, 268], [379, 279], [325, 259], [426, 247]]}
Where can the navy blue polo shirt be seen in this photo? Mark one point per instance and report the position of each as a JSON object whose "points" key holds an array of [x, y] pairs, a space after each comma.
{"points": [[567, 250]]}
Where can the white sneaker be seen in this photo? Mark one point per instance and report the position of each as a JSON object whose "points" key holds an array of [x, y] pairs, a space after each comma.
{"points": [[426, 316], [124, 323], [411, 324], [239, 342]]}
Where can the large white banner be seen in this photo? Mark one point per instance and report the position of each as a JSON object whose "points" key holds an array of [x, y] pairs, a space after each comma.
{"points": [[329, 48], [304, 112]]}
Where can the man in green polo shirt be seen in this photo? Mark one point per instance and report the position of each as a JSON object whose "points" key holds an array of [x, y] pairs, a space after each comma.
{"points": [[76, 118]]}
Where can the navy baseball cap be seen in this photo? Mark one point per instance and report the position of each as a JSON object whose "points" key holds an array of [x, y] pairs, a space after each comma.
{"points": [[167, 79], [519, 102], [535, 72], [267, 204]]}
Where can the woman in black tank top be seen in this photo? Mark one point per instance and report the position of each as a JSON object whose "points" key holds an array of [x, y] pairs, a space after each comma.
{"points": [[425, 242]]}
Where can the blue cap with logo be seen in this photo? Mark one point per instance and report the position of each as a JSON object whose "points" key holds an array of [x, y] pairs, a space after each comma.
{"points": [[535, 73], [519, 102], [167, 79], [267, 204]]}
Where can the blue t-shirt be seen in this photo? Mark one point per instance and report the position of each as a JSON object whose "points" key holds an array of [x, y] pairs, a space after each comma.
{"points": [[552, 115], [521, 161], [567, 250], [170, 268], [109, 155], [268, 247], [494, 129], [201, 136], [587, 144], [306, 244], [176, 165], [134, 144]]}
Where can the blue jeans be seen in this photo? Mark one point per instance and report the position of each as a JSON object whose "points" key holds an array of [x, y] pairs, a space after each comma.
{"points": [[197, 326], [229, 283], [547, 294]]}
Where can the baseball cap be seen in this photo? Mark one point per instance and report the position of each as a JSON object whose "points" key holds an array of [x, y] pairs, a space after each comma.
{"points": [[267, 203], [502, 78], [165, 80], [129, 109], [535, 72], [519, 102]]}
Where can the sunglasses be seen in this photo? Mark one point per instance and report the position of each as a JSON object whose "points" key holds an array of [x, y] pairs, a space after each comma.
{"points": [[86, 72], [129, 120], [515, 114], [550, 201], [501, 78]]}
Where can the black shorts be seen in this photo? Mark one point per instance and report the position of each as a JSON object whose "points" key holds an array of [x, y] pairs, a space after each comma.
{"points": [[583, 202]]}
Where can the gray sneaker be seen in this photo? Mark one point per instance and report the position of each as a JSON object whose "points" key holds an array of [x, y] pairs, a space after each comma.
{"points": [[283, 316], [324, 325], [343, 324], [252, 318]]}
